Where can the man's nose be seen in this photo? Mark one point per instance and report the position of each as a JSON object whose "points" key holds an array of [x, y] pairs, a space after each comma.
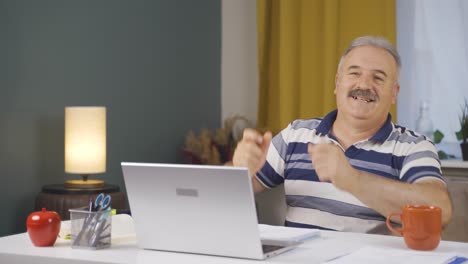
{"points": [[365, 81]]}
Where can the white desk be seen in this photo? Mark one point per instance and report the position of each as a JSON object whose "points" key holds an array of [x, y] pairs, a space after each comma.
{"points": [[18, 249]]}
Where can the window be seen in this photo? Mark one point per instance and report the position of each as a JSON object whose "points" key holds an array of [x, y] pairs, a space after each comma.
{"points": [[432, 38]]}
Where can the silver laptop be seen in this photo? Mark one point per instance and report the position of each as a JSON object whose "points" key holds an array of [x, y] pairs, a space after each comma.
{"points": [[196, 209]]}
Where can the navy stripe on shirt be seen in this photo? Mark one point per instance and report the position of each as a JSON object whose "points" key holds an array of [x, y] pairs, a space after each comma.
{"points": [[333, 207], [300, 225]]}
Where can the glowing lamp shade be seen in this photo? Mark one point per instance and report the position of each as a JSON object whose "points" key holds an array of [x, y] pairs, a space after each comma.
{"points": [[85, 143]]}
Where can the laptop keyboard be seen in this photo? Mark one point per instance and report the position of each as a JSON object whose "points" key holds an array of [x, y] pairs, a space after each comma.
{"points": [[270, 248]]}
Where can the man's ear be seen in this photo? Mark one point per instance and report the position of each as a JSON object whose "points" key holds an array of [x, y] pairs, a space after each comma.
{"points": [[395, 91]]}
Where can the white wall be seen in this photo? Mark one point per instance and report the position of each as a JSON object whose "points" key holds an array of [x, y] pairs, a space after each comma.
{"points": [[239, 70]]}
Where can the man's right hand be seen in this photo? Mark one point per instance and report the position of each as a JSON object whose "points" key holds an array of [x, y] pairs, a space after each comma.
{"points": [[251, 151]]}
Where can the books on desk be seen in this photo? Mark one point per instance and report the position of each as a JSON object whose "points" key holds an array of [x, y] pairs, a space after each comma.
{"points": [[270, 232]]}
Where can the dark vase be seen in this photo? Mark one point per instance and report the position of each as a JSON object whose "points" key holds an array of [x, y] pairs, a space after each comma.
{"points": [[464, 148]]}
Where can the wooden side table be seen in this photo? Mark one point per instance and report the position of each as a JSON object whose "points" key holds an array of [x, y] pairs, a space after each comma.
{"points": [[57, 198]]}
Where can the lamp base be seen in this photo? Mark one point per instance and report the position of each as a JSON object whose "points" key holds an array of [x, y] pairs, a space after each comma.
{"points": [[83, 184]]}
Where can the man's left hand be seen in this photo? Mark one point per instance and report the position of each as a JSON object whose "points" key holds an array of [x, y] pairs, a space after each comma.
{"points": [[331, 164]]}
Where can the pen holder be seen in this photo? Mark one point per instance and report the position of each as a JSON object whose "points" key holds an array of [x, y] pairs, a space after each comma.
{"points": [[90, 229]]}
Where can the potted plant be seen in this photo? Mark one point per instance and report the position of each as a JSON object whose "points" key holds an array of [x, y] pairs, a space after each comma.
{"points": [[463, 133]]}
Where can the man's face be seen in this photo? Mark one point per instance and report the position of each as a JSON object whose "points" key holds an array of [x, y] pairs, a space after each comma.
{"points": [[366, 84]]}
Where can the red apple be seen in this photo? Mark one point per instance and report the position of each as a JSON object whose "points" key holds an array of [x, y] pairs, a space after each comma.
{"points": [[43, 227]]}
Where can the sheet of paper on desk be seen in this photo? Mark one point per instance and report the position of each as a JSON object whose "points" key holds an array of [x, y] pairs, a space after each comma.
{"points": [[381, 255], [122, 226], [286, 233]]}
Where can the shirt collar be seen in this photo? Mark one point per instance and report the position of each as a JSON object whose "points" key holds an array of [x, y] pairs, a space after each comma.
{"points": [[382, 134]]}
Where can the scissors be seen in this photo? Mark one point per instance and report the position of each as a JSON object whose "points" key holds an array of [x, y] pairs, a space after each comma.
{"points": [[102, 202]]}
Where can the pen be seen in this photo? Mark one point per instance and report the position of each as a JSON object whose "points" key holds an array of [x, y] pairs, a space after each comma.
{"points": [[99, 227]]}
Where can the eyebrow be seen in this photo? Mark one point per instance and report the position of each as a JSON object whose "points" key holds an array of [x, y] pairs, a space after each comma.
{"points": [[352, 67]]}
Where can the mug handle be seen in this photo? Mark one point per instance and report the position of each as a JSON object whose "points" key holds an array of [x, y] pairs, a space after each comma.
{"points": [[394, 230]]}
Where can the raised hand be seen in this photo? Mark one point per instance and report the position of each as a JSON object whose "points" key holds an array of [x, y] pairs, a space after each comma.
{"points": [[251, 151], [331, 164]]}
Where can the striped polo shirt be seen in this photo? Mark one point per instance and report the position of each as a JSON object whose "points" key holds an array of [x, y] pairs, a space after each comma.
{"points": [[394, 152]]}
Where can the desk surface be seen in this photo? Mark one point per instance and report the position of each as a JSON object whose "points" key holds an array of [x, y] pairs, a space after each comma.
{"points": [[18, 249]]}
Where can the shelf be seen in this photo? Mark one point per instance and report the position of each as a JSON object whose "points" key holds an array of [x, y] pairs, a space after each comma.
{"points": [[454, 164]]}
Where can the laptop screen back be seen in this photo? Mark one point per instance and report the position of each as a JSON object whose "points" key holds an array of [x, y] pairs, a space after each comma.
{"points": [[193, 208]]}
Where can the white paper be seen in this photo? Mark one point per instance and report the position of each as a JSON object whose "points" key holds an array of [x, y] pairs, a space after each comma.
{"points": [[122, 228], [380, 255], [286, 233]]}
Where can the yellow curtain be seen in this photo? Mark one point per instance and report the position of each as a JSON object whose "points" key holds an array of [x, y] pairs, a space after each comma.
{"points": [[300, 43]]}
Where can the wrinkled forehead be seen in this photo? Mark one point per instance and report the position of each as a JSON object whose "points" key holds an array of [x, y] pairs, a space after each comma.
{"points": [[370, 58]]}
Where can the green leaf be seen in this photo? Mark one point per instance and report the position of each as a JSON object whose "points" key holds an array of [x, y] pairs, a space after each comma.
{"points": [[459, 135], [442, 155], [463, 133], [438, 136]]}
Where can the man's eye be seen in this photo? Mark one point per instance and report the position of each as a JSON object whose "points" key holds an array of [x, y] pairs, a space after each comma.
{"points": [[354, 73], [379, 79]]}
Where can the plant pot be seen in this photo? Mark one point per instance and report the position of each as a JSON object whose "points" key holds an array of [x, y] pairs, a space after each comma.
{"points": [[464, 149]]}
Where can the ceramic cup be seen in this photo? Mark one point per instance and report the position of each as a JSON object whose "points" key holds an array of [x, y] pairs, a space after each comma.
{"points": [[421, 226], [43, 227]]}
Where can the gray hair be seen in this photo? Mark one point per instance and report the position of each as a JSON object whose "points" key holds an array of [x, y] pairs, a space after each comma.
{"points": [[378, 42]]}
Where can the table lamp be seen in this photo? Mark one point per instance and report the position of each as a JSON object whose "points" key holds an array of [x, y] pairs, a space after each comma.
{"points": [[85, 144]]}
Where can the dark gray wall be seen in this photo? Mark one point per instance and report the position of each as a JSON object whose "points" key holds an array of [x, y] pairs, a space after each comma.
{"points": [[154, 64]]}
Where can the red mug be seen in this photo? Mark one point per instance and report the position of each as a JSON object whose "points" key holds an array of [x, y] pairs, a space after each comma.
{"points": [[421, 226]]}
